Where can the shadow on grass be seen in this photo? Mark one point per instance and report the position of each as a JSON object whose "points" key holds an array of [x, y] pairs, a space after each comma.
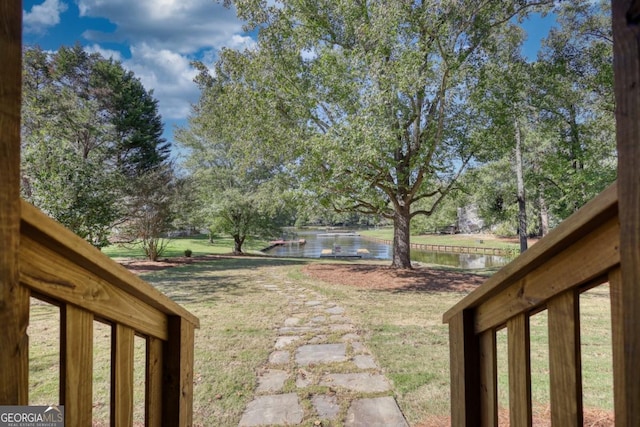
{"points": [[206, 280]]}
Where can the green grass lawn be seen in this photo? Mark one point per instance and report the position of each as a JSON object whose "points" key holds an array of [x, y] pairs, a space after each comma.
{"points": [[445, 239], [199, 245], [239, 320]]}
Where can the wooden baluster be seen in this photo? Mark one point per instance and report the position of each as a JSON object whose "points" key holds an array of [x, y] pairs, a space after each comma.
{"points": [[626, 316], [625, 379], [564, 360], [14, 298], [177, 404], [153, 388], [465, 372], [76, 365], [122, 344], [519, 370], [488, 379]]}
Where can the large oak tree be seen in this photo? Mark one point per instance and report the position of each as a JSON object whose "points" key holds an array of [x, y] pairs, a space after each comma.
{"points": [[372, 94]]}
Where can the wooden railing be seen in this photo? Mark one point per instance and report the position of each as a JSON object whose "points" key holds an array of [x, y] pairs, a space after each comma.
{"points": [[63, 269], [430, 247], [581, 253]]}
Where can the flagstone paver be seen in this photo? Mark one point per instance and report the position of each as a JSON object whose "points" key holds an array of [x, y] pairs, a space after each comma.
{"points": [[272, 380], [335, 310], [321, 353], [279, 357], [306, 351], [282, 342], [276, 409], [363, 361], [377, 412], [326, 406], [357, 382]]}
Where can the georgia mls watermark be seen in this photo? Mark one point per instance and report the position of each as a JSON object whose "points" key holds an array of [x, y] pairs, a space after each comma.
{"points": [[32, 416]]}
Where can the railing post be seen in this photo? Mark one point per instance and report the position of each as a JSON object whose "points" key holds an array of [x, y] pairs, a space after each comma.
{"points": [[626, 317], [153, 388], [76, 365], [465, 370], [565, 367], [122, 375], [519, 370], [488, 379], [14, 299], [177, 385]]}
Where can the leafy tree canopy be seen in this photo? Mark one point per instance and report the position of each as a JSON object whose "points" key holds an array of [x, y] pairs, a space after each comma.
{"points": [[89, 127], [366, 98]]}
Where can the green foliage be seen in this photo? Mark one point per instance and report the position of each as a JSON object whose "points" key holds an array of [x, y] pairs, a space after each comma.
{"points": [[563, 103], [89, 128], [367, 100], [240, 192], [149, 204]]}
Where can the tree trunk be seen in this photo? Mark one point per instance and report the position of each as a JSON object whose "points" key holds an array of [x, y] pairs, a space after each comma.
{"points": [[401, 240], [522, 206], [544, 212], [238, 241]]}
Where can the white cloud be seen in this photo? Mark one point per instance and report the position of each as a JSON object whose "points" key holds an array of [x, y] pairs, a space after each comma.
{"points": [[106, 53], [43, 16], [184, 26], [169, 74], [163, 37]]}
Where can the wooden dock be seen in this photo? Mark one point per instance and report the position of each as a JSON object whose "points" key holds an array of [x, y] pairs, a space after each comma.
{"points": [[287, 242]]}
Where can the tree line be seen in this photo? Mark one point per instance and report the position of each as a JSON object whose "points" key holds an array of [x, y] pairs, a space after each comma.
{"points": [[404, 110], [93, 156], [396, 111]]}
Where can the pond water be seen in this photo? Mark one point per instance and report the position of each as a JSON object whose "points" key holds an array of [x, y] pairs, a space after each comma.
{"points": [[349, 243]]}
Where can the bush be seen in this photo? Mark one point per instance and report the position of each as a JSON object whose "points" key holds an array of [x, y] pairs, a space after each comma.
{"points": [[187, 253]]}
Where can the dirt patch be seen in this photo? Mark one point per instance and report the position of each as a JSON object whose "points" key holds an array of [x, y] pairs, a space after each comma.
{"points": [[420, 279]]}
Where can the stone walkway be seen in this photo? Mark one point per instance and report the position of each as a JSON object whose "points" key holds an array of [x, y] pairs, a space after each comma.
{"points": [[320, 372]]}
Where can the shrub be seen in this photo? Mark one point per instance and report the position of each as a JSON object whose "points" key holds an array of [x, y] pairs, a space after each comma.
{"points": [[187, 253]]}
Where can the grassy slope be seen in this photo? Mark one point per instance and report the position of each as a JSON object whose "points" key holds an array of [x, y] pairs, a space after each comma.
{"points": [[444, 239], [199, 245]]}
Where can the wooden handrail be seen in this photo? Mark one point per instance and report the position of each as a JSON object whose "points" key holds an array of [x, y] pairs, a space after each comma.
{"points": [[39, 231], [592, 216], [60, 267], [584, 251]]}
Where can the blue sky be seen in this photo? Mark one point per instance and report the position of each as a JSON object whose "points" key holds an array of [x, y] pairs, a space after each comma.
{"points": [[157, 39]]}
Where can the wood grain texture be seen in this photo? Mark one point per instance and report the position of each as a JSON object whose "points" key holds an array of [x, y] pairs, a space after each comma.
{"points": [[464, 371], [154, 387], [599, 210], [565, 368], [177, 385], [76, 365], [14, 300], [622, 382], [488, 379], [47, 233], [585, 260], [122, 350], [626, 35], [55, 276], [519, 348]]}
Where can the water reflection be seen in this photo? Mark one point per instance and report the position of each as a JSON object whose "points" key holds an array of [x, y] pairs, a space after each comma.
{"points": [[318, 241], [352, 244], [458, 260]]}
